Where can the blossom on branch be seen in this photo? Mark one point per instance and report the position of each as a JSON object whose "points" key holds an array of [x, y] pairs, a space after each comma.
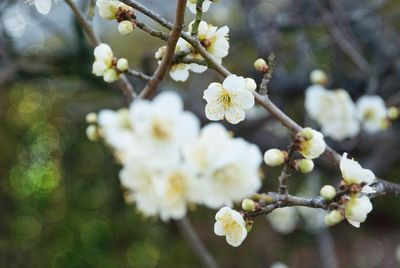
{"points": [[356, 209], [311, 143], [372, 112], [231, 224], [353, 173], [228, 100]]}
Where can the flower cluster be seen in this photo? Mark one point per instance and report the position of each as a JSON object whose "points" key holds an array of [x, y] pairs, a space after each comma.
{"points": [[355, 205], [107, 65], [169, 163], [337, 114], [115, 10]]}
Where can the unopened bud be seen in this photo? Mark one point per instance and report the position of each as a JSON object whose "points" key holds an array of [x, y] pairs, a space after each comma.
{"points": [[110, 75], [334, 217], [160, 53], [261, 65], [304, 165], [91, 118], [248, 205], [92, 133], [393, 113], [122, 65], [125, 27], [318, 77], [274, 157], [328, 192]]}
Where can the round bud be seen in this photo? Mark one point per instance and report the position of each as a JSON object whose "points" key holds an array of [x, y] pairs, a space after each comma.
{"points": [[328, 192], [110, 75], [393, 113], [91, 118], [160, 53], [334, 217], [92, 133], [125, 27], [307, 133], [304, 165], [248, 205], [318, 77], [274, 157], [250, 84], [122, 65], [261, 65]]}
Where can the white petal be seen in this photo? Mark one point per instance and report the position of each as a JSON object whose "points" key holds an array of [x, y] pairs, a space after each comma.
{"points": [[211, 94], [219, 229], [354, 223], [244, 99], [234, 82], [214, 112], [179, 72], [43, 6], [234, 115], [197, 68]]}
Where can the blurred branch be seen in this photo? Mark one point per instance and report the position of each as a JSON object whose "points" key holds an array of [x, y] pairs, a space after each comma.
{"points": [[195, 242], [123, 83], [169, 52], [139, 75]]}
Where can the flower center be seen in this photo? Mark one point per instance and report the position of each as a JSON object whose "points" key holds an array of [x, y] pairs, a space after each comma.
{"points": [[225, 99], [160, 130], [369, 114]]}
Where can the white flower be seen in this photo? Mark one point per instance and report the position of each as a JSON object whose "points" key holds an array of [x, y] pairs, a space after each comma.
{"points": [[108, 8], [213, 39], [116, 129], [191, 4], [228, 167], [372, 112], [103, 64], [228, 100], [231, 224], [42, 6], [312, 144], [352, 172], [163, 191], [283, 220], [334, 111], [161, 127], [356, 210]]}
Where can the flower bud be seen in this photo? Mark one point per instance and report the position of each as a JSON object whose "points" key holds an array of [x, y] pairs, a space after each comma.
{"points": [[274, 157], [160, 53], [122, 65], [110, 76], [328, 192], [304, 165], [92, 133], [91, 118], [307, 133], [318, 77], [250, 84], [125, 27], [393, 113], [248, 205], [334, 217], [261, 65]]}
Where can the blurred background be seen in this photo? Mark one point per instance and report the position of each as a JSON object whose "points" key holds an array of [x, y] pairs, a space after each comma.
{"points": [[60, 199]]}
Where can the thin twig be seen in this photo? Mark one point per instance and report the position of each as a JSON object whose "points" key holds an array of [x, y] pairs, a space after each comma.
{"points": [[123, 83], [169, 52], [151, 31], [198, 247], [139, 75]]}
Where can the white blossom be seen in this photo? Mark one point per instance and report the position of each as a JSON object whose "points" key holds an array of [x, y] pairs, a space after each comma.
{"points": [[356, 210], [352, 172], [372, 112], [283, 220], [228, 100], [312, 143], [103, 64], [108, 8], [228, 167], [42, 6], [231, 224], [333, 110], [191, 4]]}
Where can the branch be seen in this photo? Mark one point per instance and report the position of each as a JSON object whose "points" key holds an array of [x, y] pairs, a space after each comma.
{"points": [[196, 243], [169, 52], [123, 83], [139, 75], [151, 31]]}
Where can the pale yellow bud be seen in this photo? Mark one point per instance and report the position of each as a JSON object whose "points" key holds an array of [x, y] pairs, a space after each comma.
{"points": [[318, 77], [91, 118], [92, 133], [122, 65], [261, 65], [248, 205], [393, 113], [334, 217], [125, 27], [110, 76], [304, 165], [274, 157], [328, 192]]}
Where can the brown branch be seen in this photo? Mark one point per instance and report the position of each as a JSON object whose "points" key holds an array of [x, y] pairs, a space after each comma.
{"points": [[151, 31], [139, 75], [169, 52], [123, 83]]}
